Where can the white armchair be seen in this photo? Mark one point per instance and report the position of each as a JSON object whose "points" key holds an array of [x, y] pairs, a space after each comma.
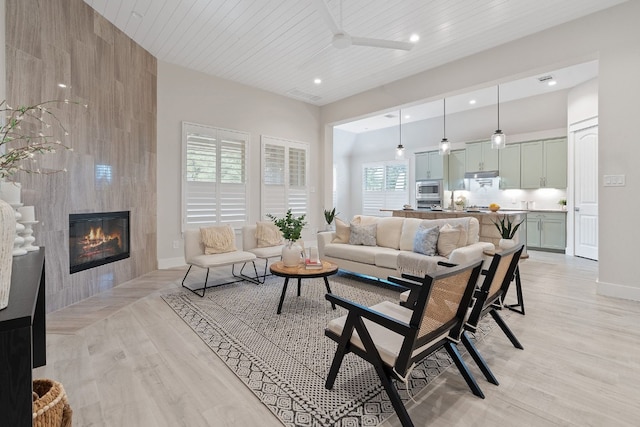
{"points": [[194, 254]]}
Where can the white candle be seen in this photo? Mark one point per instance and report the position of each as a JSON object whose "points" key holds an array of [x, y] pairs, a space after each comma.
{"points": [[28, 213], [10, 192]]}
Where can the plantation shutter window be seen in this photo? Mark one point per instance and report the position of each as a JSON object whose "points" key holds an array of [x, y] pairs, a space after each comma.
{"points": [[384, 186], [284, 177], [214, 176]]}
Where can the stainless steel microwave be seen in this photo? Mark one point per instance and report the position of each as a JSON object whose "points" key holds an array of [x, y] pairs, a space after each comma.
{"points": [[429, 190]]}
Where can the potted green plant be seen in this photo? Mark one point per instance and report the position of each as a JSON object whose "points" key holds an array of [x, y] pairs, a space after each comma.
{"points": [[329, 216], [291, 228], [563, 204], [507, 230]]}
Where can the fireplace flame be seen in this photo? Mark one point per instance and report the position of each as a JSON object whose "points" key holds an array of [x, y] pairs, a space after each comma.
{"points": [[96, 237]]}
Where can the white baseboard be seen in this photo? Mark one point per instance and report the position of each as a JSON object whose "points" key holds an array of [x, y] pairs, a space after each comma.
{"points": [[164, 263], [618, 291]]}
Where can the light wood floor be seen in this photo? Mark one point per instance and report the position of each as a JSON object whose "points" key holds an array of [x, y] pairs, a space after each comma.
{"points": [[126, 359]]}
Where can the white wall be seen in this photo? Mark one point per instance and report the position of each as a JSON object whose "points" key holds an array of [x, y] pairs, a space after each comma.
{"points": [[613, 37], [185, 95]]}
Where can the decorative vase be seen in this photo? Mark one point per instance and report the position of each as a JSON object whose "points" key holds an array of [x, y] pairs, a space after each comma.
{"points": [[506, 243], [7, 237], [291, 254]]}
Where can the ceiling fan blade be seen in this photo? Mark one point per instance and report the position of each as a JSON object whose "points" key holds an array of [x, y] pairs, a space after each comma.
{"points": [[327, 17], [387, 44]]}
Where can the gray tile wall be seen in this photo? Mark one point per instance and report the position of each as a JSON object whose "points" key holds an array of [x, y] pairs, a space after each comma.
{"points": [[53, 41]]}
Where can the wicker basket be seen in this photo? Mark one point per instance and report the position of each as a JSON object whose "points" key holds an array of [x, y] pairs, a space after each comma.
{"points": [[50, 405]]}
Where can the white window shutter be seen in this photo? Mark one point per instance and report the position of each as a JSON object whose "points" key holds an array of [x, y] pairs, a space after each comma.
{"points": [[285, 166], [384, 186], [214, 176]]}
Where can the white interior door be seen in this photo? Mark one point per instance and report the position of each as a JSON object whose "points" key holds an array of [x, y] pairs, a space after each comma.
{"points": [[586, 193]]}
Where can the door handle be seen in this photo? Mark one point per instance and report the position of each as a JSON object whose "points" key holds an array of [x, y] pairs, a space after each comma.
{"points": [[576, 209]]}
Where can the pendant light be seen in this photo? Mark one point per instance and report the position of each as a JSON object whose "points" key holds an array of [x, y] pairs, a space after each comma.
{"points": [[498, 139], [400, 147], [445, 147]]}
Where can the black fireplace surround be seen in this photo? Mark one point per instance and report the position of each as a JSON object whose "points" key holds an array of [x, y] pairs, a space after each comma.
{"points": [[97, 238]]}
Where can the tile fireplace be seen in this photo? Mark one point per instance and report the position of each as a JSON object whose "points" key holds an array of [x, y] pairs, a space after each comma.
{"points": [[97, 238]]}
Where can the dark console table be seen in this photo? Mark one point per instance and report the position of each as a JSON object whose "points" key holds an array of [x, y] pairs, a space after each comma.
{"points": [[22, 338]]}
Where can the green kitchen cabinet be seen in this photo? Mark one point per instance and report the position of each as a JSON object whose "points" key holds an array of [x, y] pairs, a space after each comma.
{"points": [[510, 167], [456, 170], [544, 164], [547, 230], [481, 157], [429, 165]]}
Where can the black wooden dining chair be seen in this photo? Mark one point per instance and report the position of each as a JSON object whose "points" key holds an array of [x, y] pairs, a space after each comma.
{"points": [[489, 299], [394, 338]]}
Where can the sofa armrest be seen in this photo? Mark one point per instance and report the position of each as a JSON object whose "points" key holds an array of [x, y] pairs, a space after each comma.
{"points": [[469, 253], [324, 237]]}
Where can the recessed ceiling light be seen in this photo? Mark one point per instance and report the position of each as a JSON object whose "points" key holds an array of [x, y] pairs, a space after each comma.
{"points": [[62, 85], [407, 116], [414, 38], [552, 82], [472, 101], [136, 14], [317, 81]]}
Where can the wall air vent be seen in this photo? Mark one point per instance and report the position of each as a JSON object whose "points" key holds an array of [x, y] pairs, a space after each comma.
{"points": [[298, 94]]}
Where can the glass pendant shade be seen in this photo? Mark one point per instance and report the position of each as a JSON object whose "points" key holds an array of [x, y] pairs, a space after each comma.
{"points": [[498, 139], [445, 147], [400, 147]]}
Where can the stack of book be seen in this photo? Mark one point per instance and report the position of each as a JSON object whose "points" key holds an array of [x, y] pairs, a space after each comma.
{"points": [[312, 264]]}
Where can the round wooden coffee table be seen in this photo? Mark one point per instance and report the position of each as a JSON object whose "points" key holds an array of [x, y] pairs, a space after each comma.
{"points": [[300, 272]]}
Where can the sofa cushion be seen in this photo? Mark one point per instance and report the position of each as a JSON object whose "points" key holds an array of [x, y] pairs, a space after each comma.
{"points": [[343, 231], [409, 227], [365, 220], [451, 238], [389, 231], [363, 234], [355, 253], [268, 234], [426, 240], [218, 239], [387, 258]]}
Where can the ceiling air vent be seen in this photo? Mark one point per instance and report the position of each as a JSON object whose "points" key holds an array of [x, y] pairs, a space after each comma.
{"points": [[297, 93], [389, 116], [545, 79]]}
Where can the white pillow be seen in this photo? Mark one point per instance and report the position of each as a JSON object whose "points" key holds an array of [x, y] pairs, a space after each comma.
{"points": [[218, 239], [268, 234], [343, 232], [450, 239]]}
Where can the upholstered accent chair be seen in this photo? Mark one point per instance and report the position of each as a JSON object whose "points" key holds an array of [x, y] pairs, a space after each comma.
{"points": [[195, 253]]}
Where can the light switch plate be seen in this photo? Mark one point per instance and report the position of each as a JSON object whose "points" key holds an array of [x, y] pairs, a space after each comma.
{"points": [[614, 181]]}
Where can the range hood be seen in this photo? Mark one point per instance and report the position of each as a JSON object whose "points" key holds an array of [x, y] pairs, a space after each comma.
{"points": [[481, 174]]}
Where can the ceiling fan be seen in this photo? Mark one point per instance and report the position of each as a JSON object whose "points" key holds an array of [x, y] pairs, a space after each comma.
{"points": [[341, 39]]}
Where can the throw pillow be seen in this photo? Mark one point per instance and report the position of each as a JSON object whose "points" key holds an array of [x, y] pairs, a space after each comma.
{"points": [[363, 235], [218, 239], [268, 234], [343, 232], [426, 240], [448, 240]]}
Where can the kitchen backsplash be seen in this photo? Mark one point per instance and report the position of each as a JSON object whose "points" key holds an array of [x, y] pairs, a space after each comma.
{"points": [[486, 191]]}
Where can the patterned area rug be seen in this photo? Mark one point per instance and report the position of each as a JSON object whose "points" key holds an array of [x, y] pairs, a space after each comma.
{"points": [[284, 359]]}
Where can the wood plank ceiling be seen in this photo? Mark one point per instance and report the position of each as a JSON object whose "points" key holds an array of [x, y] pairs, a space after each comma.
{"points": [[283, 45]]}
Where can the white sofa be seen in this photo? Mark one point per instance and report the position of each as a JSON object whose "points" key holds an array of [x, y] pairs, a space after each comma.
{"points": [[393, 253]]}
